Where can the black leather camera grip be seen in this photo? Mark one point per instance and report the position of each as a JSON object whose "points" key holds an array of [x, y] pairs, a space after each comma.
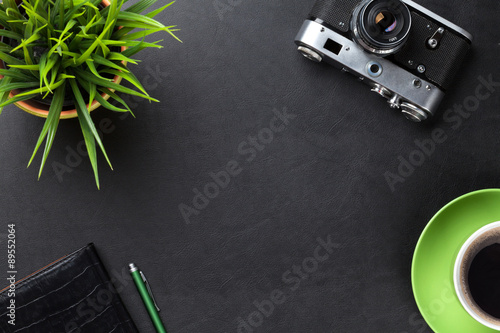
{"points": [[443, 63], [71, 295], [336, 13]]}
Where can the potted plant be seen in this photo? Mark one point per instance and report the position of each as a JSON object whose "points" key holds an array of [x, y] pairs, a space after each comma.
{"points": [[62, 59]]}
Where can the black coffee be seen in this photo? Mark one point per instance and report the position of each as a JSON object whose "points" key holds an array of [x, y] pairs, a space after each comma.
{"points": [[484, 279]]}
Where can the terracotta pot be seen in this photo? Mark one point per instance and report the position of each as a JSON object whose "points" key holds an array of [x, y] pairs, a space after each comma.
{"points": [[42, 110]]}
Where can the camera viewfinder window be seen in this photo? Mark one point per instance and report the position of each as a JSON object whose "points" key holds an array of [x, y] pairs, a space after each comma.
{"points": [[332, 46]]}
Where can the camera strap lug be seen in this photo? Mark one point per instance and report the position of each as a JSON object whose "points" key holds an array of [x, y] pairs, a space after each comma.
{"points": [[434, 41], [394, 101]]}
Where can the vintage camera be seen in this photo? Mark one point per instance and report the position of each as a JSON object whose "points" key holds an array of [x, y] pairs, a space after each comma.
{"points": [[405, 52]]}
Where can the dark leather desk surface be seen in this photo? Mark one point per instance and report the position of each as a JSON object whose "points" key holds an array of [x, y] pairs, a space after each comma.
{"points": [[323, 175]]}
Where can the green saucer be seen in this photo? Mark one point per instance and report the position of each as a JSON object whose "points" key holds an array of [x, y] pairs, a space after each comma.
{"points": [[434, 259]]}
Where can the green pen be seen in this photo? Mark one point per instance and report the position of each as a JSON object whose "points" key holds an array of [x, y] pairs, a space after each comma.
{"points": [[147, 297]]}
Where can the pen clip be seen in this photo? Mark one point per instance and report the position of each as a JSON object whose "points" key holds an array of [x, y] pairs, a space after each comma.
{"points": [[148, 287]]}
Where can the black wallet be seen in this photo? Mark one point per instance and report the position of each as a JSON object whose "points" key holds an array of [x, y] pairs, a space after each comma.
{"points": [[71, 295]]}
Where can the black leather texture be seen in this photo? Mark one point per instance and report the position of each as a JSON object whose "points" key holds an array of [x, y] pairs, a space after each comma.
{"points": [[237, 76], [336, 13], [441, 64], [72, 294]]}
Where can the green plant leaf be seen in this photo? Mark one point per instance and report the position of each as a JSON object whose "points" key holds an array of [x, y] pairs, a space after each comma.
{"points": [[73, 12], [104, 48], [171, 32], [106, 104], [48, 66], [45, 89], [138, 47], [118, 99], [17, 85], [141, 34], [140, 6], [82, 75], [10, 60], [138, 18], [14, 13], [92, 93], [159, 10], [89, 143], [18, 75], [10, 34], [137, 25], [130, 77], [88, 127], [94, 71], [42, 64], [50, 127], [103, 61], [127, 43], [103, 101], [111, 16], [37, 16], [5, 96], [26, 42], [57, 8], [4, 21], [91, 49], [10, 4], [15, 99], [120, 57], [67, 28], [26, 67]]}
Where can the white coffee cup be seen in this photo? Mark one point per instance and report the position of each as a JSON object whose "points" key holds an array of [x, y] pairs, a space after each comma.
{"points": [[486, 236]]}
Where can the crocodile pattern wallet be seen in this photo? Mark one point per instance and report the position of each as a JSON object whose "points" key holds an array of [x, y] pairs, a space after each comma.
{"points": [[72, 295]]}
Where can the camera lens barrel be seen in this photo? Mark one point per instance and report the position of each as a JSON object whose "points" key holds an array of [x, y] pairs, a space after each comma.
{"points": [[381, 26]]}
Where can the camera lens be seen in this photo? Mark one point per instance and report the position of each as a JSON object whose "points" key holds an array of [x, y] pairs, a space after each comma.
{"points": [[381, 26], [386, 21]]}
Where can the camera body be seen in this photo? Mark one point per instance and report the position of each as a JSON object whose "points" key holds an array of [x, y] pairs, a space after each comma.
{"points": [[406, 53]]}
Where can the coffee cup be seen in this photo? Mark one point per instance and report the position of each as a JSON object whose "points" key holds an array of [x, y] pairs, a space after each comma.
{"points": [[476, 275]]}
